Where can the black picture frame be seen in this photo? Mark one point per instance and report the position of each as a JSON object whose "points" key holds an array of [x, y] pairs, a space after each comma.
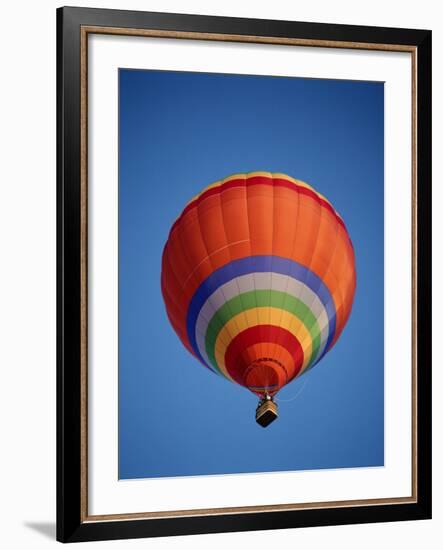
{"points": [[71, 524]]}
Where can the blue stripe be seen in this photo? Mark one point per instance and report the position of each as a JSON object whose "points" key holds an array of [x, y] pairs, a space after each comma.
{"points": [[258, 264]]}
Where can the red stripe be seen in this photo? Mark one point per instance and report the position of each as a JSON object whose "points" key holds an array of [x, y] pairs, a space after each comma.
{"points": [[256, 180], [236, 365]]}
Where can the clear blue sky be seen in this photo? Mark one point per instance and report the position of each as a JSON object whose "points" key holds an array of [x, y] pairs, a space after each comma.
{"points": [[178, 133]]}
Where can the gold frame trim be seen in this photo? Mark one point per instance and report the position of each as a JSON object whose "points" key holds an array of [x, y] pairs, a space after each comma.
{"points": [[84, 32]]}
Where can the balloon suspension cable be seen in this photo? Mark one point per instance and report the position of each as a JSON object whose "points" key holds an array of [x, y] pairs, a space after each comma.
{"points": [[266, 411], [294, 397]]}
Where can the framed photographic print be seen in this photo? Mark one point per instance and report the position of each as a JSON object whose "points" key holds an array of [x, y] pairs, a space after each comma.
{"points": [[244, 274]]}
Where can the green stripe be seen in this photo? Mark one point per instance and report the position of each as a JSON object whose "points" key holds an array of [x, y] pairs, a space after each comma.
{"points": [[261, 298]]}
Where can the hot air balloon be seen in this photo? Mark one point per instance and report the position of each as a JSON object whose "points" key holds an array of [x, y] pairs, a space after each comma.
{"points": [[258, 279]]}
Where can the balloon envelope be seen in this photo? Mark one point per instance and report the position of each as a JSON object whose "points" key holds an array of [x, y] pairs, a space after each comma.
{"points": [[258, 278]]}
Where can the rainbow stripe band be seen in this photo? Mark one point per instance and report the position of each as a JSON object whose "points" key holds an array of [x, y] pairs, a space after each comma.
{"points": [[313, 297], [261, 298], [297, 299]]}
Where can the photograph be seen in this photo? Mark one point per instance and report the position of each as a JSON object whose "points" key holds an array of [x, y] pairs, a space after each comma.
{"points": [[251, 261]]}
